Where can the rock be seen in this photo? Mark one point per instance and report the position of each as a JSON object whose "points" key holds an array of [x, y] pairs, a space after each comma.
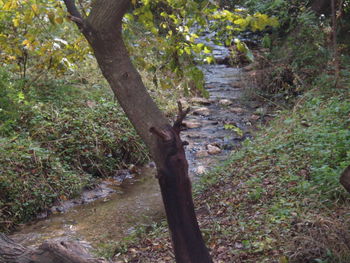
{"points": [[133, 169], [202, 101], [184, 103], [260, 111], [202, 111], [201, 154], [237, 110], [212, 149], [201, 169], [192, 124], [225, 102], [254, 117]]}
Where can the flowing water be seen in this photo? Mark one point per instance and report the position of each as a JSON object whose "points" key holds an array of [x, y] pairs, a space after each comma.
{"points": [[137, 201]]}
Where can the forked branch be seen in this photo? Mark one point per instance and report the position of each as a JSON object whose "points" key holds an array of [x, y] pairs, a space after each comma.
{"points": [[180, 117]]}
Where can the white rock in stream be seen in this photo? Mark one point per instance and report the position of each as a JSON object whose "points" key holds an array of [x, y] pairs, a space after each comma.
{"points": [[225, 102], [202, 111], [212, 149], [192, 124]]}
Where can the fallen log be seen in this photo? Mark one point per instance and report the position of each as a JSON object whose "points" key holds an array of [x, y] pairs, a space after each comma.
{"points": [[48, 252]]}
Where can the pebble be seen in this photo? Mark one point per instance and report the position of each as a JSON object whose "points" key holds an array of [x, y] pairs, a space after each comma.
{"points": [[212, 149], [237, 110], [254, 117], [201, 169], [225, 102]]}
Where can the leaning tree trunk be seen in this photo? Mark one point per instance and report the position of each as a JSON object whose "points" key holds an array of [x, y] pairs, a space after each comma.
{"points": [[345, 179], [103, 30]]}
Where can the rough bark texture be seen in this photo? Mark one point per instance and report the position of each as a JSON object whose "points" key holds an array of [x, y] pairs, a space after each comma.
{"points": [[48, 252], [324, 6], [345, 179], [103, 29]]}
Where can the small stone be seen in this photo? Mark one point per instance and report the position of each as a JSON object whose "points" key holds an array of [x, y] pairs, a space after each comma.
{"points": [[133, 169], [212, 149], [225, 102], [201, 169], [260, 111], [202, 111], [254, 117], [192, 124], [237, 110], [184, 103], [199, 100], [201, 154]]}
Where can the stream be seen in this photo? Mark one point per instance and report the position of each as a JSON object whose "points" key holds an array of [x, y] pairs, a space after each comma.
{"points": [[214, 127]]}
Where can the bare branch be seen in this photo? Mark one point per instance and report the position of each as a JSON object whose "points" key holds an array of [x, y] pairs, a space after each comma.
{"points": [[180, 116], [72, 9]]}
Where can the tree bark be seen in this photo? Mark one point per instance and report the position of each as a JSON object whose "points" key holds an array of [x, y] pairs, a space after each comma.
{"points": [[48, 252], [103, 30], [345, 179]]}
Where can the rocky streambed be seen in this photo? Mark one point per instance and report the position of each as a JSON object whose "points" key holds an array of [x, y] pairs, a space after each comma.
{"points": [[215, 126]]}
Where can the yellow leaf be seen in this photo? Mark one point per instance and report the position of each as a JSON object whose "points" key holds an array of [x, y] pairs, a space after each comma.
{"points": [[35, 9], [15, 22], [59, 20]]}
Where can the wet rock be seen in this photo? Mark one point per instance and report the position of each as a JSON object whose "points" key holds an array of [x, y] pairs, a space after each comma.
{"points": [[237, 110], [201, 169], [204, 111], [202, 101], [201, 154], [212, 149], [225, 102], [192, 124]]}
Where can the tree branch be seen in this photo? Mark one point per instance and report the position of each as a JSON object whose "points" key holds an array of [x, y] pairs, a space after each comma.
{"points": [[72, 9], [180, 117]]}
